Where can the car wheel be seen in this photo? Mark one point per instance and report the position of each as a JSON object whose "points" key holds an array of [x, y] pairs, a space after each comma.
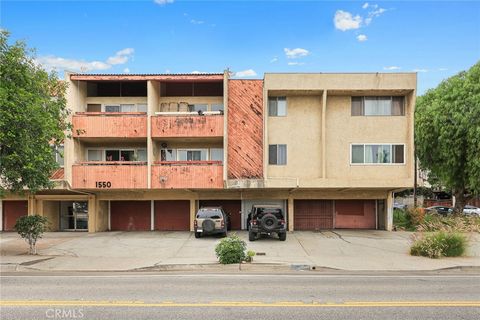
{"points": [[252, 236], [198, 235], [282, 236]]}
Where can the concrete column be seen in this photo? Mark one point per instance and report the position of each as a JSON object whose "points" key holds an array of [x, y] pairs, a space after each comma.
{"points": [[225, 124], [32, 208], [153, 95], [152, 215], [193, 212], [1, 215], [39, 207], [92, 214], [290, 214], [324, 131], [389, 215]]}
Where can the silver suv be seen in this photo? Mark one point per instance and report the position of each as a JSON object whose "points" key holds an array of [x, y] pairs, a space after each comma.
{"points": [[211, 220]]}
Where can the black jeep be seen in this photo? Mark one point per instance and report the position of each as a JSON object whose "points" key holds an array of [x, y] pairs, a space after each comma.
{"points": [[266, 219]]}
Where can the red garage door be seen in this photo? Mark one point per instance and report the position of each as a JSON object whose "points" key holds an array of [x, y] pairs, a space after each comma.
{"points": [[313, 214], [231, 206], [12, 210], [130, 215], [355, 214], [172, 215]]}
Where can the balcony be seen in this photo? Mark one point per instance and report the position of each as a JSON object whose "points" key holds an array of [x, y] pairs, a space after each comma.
{"points": [[110, 175], [187, 126], [109, 125], [187, 174]]}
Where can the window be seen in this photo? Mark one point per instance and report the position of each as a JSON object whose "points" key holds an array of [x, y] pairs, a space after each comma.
{"points": [[112, 155], [142, 155], [127, 155], [216, 107], [94, 155], [377, 154], [378, 106], [141, 107], [198, 107], [168, 155], [58, 155], [277, 154], [277, 106], [192, 155], [216, 154]]}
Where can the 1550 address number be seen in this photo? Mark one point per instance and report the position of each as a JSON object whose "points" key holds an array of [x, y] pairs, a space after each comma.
{"points": [[103, 184]]}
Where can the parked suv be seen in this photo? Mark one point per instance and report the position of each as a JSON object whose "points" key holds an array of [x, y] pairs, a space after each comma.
{"points": [[211, 220], [266, 219]]}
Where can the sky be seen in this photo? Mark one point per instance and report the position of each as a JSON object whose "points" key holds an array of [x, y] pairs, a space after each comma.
{"points": [[436, 39]]}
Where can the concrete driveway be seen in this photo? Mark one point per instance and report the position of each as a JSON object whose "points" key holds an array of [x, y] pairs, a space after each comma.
{"points": [[339, 249]]}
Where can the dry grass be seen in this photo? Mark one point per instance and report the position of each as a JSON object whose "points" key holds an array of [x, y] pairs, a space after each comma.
{"points": [[433, 223]]}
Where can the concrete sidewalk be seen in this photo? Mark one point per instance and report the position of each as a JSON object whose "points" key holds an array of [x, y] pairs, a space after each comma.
{"points": [[122, 251]]}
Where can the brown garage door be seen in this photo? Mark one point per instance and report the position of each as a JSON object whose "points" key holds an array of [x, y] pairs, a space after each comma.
{"points": [[172, 215], [12, 210], [355, 214], [231, 206], [130, 215], [313, 214]]}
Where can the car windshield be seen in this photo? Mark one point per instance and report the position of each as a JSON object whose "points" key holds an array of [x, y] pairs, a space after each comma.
{"points": [[209, 213]]}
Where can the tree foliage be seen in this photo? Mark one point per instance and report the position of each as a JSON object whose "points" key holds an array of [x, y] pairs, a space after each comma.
{"points": [[32, 117], [31, 228], [447, 134]]}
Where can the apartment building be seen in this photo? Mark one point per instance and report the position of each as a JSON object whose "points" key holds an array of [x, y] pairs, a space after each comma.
{"points": [[147, 150]]}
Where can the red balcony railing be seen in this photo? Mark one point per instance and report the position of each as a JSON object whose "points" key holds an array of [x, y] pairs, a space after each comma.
{"points": [[187, 174], [181, 126], [109, 175], [109, 125]]}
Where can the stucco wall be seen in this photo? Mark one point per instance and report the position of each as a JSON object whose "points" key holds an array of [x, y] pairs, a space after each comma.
{"points": [[51, 210], [300, 130]]}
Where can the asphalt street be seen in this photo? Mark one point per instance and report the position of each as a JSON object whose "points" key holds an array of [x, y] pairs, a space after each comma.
{"points": [[298, 295]]}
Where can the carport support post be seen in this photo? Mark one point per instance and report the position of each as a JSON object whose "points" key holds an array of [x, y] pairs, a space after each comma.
{"points": [[290, 214], [193, 212], [31, 206], [389, 215], [92, 214]]}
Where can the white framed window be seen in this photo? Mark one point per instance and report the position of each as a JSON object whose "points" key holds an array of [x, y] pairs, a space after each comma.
{"points": [[58, 154], [377, 154], [168, 155], [277, 106], [216, 154], [378, 106], [192, 154], [130, 107], [277, 154], [113, 154], [217, 107]]}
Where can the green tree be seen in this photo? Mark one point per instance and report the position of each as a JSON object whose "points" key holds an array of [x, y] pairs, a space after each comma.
{"points": [[32, 118], [447, 134], [31, 228]]}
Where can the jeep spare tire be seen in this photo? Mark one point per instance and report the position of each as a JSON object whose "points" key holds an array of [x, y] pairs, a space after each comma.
{"points": [[208, 226], [269, 222]]}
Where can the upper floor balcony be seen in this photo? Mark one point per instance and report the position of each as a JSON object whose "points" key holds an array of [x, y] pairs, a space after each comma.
{"points": [[109, 175], [187, 125], [109, 125], [187, 174]]}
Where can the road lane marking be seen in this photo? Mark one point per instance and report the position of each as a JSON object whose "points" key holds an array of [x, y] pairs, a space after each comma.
{"points": [[238, 304]]}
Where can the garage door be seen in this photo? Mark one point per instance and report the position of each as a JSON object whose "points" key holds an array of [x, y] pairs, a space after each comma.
{"points": [[247, 206], [172, 215], [12, 210], [313, 214], [355, 214], [231, 206], [130, 215]]}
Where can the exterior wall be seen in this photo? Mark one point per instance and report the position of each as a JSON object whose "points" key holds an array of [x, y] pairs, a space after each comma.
{"points": [[120, 176], [301, 131], [102, 216], [187, 176], [51, 210], [187, 126], [245, 129], [113, 125], [190, 100]]}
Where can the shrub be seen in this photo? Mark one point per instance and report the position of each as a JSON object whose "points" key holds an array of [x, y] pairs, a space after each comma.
{"points": [[439, 244], [231, 250], [408, 219], [31, 228], [454, 223], [250, 255]]}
